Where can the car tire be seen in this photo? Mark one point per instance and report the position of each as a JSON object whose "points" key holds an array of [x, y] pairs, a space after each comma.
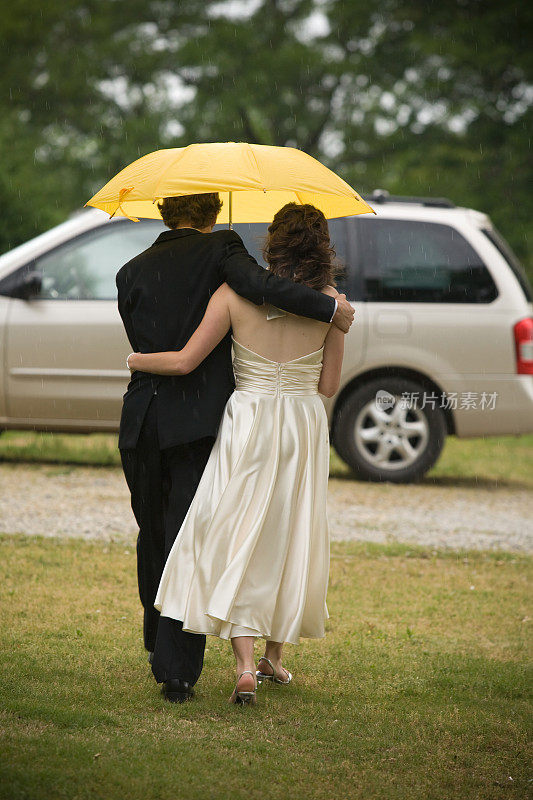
{"points": [[400, 449]]}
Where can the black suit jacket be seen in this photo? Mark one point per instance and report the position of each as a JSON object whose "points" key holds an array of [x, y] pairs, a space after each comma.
{"points": [[162, 296]]}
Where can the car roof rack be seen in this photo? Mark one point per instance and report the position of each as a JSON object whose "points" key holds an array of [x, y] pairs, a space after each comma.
{"points": [[382, 196]]}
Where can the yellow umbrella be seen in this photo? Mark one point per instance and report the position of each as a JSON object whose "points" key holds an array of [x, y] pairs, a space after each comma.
{"points": [[254, 181]]}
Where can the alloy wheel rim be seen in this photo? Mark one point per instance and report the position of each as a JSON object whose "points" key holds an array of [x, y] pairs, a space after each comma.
{"points": [[391, 439]]}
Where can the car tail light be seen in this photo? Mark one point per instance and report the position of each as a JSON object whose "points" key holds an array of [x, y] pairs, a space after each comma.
{"points": [[523, 339]]}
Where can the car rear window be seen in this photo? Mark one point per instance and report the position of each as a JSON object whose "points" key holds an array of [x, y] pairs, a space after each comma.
{"points": [[504, 250], [428, 262]]}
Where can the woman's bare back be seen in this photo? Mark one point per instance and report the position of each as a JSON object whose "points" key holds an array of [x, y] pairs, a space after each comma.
{"points": [[283, 338]]}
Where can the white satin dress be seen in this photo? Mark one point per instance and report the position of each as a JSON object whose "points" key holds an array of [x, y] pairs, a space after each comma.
{"points": [[252, 555]]}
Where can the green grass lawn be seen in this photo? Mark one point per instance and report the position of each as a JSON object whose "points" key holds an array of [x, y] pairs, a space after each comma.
{"points": [[419, 690], [507, 460]]}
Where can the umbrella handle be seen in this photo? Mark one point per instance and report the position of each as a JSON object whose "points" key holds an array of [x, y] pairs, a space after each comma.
{"points": [[230, 225]]}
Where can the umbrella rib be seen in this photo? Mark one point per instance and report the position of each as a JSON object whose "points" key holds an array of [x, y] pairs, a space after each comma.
{"points": [[249, 146], [165, 168]]}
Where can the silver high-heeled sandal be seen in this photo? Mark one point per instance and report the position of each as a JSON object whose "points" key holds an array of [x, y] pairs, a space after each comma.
{"points": [[265, 676], [243, 698]]}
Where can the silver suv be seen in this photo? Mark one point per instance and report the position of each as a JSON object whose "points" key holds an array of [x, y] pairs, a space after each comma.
{"points": [[442, 343]]}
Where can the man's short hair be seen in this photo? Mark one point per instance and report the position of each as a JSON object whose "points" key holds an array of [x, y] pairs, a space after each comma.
{"points": [[197, 210]]}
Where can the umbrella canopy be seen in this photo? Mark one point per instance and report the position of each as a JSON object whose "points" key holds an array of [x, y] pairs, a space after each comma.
{"points": [[254, 181]]}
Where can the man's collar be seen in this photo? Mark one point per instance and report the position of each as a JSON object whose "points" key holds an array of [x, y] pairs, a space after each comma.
{"points": [[175, 233]]}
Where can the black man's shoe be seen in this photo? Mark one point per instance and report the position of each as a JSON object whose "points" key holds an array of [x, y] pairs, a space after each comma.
{"points": [[151, 657], [177, 691]]}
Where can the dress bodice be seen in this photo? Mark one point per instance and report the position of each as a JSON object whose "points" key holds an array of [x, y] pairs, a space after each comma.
{"points": [[255, 373]]}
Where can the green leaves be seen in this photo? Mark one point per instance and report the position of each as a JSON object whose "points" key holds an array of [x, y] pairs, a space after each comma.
{"points": [[422, 98]]}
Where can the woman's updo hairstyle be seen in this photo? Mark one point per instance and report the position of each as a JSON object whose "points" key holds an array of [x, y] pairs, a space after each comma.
{"points": [[298, 246]]}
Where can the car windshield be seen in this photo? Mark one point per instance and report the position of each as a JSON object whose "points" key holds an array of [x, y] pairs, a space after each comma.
{"points": [[57, 234]]}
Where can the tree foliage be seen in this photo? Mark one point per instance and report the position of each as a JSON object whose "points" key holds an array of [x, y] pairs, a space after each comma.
{"points": [[414, 96]]}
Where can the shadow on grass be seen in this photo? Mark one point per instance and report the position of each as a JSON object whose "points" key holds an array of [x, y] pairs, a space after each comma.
{"points": [[67, 462], [451, 481], [448, 481], [474, 482], [496, 463]]}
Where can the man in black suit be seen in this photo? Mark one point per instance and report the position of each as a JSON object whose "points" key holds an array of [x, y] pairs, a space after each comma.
{"points": [[169, 423]]}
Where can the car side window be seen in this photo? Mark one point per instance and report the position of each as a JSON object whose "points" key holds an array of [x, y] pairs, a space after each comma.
{"points": [[254, 236], [428, 262], [85, 268]]}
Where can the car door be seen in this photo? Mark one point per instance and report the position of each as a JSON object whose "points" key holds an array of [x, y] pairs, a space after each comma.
{"points": [[66, 348]]}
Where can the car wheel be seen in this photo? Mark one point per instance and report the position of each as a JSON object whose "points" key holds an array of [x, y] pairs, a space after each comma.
{"points": [[384, 437]]}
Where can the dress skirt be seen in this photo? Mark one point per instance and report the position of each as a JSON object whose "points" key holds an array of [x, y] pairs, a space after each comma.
{"points": [[252, 555]]}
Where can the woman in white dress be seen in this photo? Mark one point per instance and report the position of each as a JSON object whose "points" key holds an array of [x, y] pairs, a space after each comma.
{"points": [[252, 556]]}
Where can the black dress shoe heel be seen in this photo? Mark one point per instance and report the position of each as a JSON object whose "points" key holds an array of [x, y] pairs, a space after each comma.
{"points": [[177, 691]]}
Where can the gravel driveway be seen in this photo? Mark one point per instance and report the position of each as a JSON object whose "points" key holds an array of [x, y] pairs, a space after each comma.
{"points": [[93, 503]]}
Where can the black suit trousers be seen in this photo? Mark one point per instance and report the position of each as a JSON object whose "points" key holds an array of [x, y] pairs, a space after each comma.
{"points": [[162, 484]]}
